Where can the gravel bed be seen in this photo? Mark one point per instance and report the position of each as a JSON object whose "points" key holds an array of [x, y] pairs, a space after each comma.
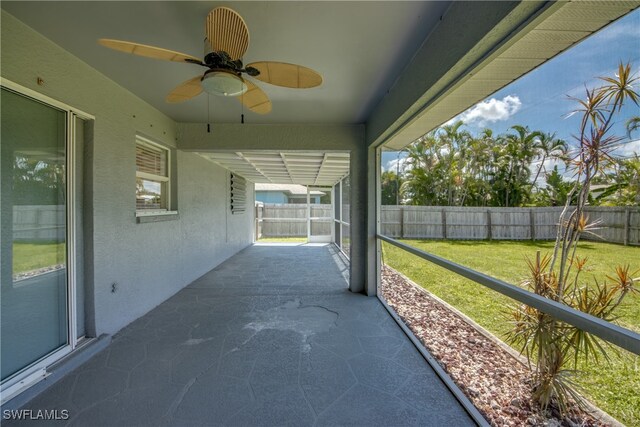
{"points": [[494, 380], [32, 273]]}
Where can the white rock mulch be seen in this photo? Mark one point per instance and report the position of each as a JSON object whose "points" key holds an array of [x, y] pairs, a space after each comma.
{"points": [[494, 380], [37, 272]]}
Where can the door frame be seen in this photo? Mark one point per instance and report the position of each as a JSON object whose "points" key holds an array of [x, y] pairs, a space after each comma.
{"points": [[36, 371], [324, 238]]}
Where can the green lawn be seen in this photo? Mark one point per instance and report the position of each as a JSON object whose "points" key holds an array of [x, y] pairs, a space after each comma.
{"points": [[614, 388], [31, 256]]}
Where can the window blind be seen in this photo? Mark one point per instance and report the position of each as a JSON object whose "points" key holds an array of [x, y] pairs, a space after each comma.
{"points": [[238, 194], [152, 176], [151, 160]]}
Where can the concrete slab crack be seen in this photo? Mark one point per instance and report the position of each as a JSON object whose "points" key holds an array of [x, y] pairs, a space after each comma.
{"points": [[178, 400]]}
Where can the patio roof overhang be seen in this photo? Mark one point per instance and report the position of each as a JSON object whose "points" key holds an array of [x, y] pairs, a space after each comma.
{"points": [[321, 168], [429, 93]]}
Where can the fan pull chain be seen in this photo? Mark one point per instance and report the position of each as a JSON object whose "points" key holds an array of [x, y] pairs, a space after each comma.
{"points": [[208, 113], [242, 108]]}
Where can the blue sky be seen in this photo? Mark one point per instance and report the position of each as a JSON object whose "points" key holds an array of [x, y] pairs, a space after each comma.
{"points": [[539, 99]]}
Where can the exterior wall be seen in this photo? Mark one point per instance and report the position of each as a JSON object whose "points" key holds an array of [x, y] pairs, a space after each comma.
{"points": [[271, 197], [303, 199], [150, 261], [279, 197]]}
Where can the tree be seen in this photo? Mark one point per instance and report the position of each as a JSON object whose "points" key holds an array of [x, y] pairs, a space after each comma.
{"points": [[454, 146], [451, 167], [624, 189], [633, 124], [552, 345], [512, 179], [556, 191], [547, 146], [479, 169], [423, 178], [38, 181], [390, 188]]}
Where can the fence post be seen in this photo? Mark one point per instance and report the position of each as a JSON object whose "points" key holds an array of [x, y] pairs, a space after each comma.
{"points": [[532, 223], [444, 224], [627, 225], [489, 232], [401, 222]]}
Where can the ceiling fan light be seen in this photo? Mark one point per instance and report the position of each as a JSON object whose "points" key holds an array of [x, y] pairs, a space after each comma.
{"points": [[223, 83]]}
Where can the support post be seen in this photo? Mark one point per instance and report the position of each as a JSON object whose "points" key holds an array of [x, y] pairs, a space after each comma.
{"points": [[371, 208], [401, 222], [444, 224], [257, 218], [489, 231]]}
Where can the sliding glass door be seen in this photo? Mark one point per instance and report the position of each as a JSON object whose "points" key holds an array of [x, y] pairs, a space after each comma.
{"points": [[33, 247]]}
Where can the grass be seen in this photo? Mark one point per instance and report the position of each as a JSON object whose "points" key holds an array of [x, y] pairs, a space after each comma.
{"points": [[31, 256], [611, 386]]}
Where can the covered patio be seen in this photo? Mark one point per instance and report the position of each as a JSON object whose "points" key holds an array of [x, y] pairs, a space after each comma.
{"points": [[272, 336], [147, 206]]}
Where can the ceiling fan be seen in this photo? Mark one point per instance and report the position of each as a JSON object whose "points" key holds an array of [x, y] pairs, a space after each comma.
{"points": [[228, 40]]}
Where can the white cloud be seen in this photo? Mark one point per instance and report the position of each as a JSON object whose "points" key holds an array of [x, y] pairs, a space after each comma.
{"points": [[628, 148], [394, 164], [490, 111]]}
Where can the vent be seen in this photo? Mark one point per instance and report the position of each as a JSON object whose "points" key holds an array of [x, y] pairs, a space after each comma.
{"points": [[238, 194]]}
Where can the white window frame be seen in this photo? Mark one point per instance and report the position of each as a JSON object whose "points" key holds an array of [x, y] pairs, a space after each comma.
{"points": [[165, 180]]}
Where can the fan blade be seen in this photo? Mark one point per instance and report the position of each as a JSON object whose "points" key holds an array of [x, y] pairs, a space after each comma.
{"points": [[255, 99], [227, 32], [147, 51], [185, 91], [287, 75]]}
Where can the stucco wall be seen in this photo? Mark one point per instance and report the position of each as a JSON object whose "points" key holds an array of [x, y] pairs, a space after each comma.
{"points": [[151, 261]]}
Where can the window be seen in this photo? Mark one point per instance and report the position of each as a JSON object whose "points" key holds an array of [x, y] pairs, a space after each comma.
{"points": [[152, 177]]}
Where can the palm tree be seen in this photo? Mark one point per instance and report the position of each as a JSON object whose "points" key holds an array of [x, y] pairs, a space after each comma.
{"points": [[454, 144], [549, 147], [514, 162], [633, 124], [390, 183]]}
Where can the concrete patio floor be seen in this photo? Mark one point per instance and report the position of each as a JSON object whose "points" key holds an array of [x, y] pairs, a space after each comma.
{"points": [[270, 337]]}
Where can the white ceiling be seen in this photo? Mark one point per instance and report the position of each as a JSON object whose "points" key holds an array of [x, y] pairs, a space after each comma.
{"points": [[360, 48], [294, 167]]}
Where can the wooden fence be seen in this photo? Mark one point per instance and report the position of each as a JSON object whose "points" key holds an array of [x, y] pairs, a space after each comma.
{"points": [[618, 225], [35, 223], [290, 220]]}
